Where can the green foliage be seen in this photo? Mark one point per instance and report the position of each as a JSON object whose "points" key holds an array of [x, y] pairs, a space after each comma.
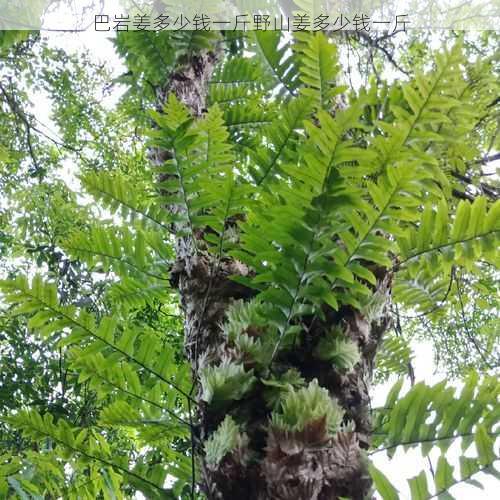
{"points": [[225, 439], [282, 135], [8, 38], [313, 195], [279, 62], [342, 352], [433, 418], [295, 269], [144, 53], [50, 318], [198, 181], [278, 386], [393, 357], [126, 364], [464, 329], [126, 249], [119, 197], [247, 330], [383, 486], [139, 258], [307, 406], [318, 67], [226, 382], [440, 244], [237, 86], [404, 423], [63, 439]]}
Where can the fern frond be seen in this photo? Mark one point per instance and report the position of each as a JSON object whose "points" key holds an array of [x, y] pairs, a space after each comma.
{"points": [[430, 253], [393, 357], [318, 67], [119, 196], [51, 319], [473, 235], [224, 440], [306, 406], [130, 293], [294, 267], [127, 253], [393, 199], [279, 60], [433, 417], [238, 88], [225, 382], [132, 397], [426, 104], [239, 78], [200, 185], [139, 258], [142, 53], [281, 137], [83, 442]]}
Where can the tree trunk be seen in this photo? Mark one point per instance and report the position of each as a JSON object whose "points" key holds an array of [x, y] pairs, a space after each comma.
{"points": [[269, 463]]}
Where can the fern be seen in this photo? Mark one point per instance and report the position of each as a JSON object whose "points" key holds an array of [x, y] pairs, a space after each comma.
{"points": [[118, 196], [51, 318], [342, 353], [433, 418], [318, 68], [225, 382], [237, 83], [298, 253], [142, 53], [428, 254], [121, 250], [282, 135], [199, 172], [138, 258], [306, 406], [394, 357], [322, 204], [88, 444], [237, 87], [280, 62], [223, 441], [472, 236]]}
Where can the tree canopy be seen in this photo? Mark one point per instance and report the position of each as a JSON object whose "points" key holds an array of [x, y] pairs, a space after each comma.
{"points": [[207, 261]]}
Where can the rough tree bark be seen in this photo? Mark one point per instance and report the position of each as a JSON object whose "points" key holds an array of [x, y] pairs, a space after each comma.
{"points": [[269, 464]]}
